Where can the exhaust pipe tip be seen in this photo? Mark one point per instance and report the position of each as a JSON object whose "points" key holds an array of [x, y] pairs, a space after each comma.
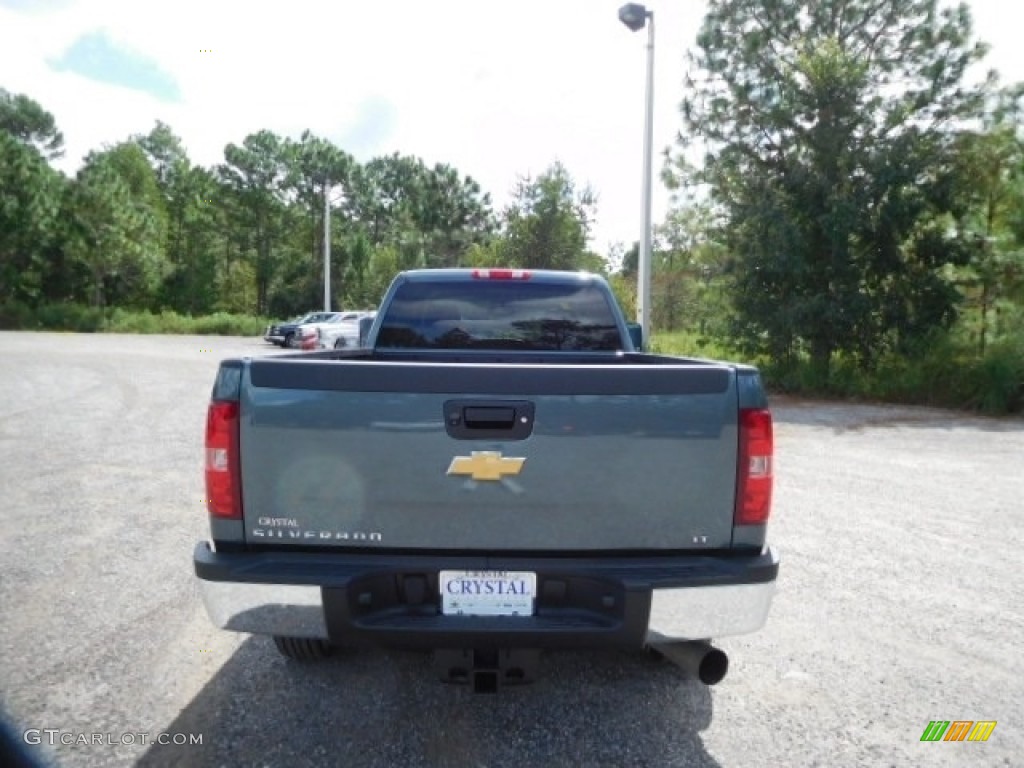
{"points": [[698, 658], [713, 667]]}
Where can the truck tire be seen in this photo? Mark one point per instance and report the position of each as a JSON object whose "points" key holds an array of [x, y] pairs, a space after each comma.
{"points": [[290, 342], [303, 648]]}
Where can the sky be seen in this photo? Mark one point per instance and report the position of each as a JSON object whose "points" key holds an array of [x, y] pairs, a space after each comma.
{"points": [[498, 89]]}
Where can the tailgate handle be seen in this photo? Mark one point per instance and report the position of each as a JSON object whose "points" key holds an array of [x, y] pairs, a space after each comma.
{"points": [[488, 419]]}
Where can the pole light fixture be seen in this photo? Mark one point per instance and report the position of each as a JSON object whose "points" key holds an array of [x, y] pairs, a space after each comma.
{"points": [[633, 15]]}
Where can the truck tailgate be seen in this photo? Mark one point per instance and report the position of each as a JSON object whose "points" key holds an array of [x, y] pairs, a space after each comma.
{"points": [[358, 453]]}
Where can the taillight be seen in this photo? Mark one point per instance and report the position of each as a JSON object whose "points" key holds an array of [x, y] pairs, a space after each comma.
{"points": [[754, 467], [501, 274], [223, 479]]}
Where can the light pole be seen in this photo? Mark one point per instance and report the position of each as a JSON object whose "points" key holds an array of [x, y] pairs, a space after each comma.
{"points": [[327, 248], [636, 17], [328, 186]]}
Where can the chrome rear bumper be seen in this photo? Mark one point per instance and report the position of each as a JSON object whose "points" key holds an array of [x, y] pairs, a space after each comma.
{"points": [[675, 613]]}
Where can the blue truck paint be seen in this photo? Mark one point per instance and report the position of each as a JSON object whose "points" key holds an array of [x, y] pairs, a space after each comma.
{"points": [[622, 489]]}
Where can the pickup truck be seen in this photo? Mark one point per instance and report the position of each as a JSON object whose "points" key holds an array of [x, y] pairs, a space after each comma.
{"points": [[499, 472]]}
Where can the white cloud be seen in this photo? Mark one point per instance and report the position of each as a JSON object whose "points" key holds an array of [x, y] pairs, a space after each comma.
{"points": [[497, 88]]}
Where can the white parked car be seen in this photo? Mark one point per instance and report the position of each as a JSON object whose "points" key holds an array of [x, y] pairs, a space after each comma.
{"points": [[284, 334], [308, 334], [307, 330], [345, 334]]}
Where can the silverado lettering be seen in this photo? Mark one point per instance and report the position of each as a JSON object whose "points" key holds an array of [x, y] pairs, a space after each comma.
{"points": [[318, 535], [638, 517]]}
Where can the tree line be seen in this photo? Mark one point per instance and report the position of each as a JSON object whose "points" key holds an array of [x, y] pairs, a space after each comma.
{"points": [[844, 194], [141, 226]]}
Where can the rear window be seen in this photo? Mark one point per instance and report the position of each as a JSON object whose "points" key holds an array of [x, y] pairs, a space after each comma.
{"points": [[500, 315]]}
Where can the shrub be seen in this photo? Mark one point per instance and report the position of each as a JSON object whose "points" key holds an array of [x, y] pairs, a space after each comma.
{"points": [[69, 317], [224, 324], [687, 344], [126, 321], [944, 373], [14, 315], [995, 384], [76, 317], [172, 322]]}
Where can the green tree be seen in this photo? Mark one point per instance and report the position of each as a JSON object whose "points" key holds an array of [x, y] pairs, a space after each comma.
{"points": [[25, 120], [165, 151], [385, 263], [454, 215], [255, 174], [548, 224], [130, 162], [690, 275], [318, 171], [631, 261], [191, 197], [827, 129], [390, 192], [989, 179], [112, 234], [624, 289], [194, 240], [424, 217], [236, 288], [358, 291], [30, 199]]}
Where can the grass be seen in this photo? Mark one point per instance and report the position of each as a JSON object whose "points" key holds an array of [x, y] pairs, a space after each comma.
{"points": [[83, 319], [689, 344], [947, 373]]}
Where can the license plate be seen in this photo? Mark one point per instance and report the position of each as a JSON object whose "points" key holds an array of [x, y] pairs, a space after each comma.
{"points": [[487, 593]]}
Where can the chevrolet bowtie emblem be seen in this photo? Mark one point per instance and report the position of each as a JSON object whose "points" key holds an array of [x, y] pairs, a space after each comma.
{"points": [[485, 465]]}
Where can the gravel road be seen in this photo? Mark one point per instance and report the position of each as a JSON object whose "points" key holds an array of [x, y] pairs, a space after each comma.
{"points": [[901, 600]]}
